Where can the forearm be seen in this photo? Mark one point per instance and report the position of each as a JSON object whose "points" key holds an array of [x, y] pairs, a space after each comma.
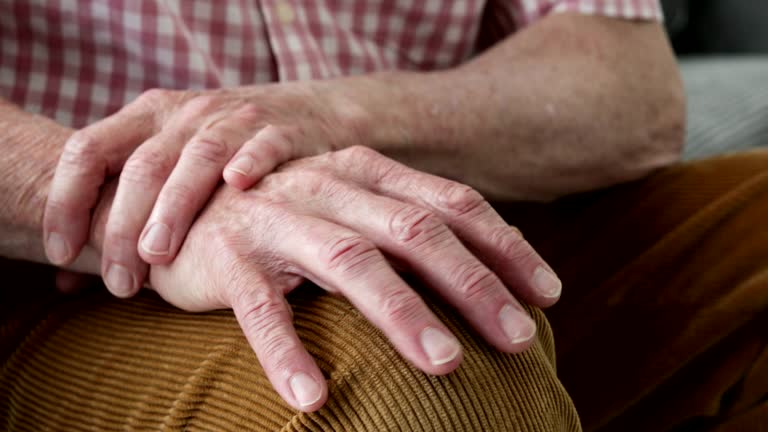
{"points": [[570, 104], [30, 147]]}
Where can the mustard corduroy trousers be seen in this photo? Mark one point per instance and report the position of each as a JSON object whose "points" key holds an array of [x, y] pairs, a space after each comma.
{"points": [[662, 326]]}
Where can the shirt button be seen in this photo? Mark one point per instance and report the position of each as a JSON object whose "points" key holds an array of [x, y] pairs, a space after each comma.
{"points": [[285, 12]]}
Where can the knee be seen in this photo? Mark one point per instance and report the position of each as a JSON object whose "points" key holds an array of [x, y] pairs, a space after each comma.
{"points": [[373, 388]]}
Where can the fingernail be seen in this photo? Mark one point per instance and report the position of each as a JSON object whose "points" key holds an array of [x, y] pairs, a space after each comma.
{"points": [[516, 324], [57, 248], [157, 240], [242, 165], [119, 280], [440, 347], [546, 283], [305, 389]]}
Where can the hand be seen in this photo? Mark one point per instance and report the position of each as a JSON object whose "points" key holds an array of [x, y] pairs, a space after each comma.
{"points": [[170, 149], [332, 219]]}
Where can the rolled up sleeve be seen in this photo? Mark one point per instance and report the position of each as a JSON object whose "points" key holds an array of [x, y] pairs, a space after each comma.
{"points": [[526, 12]]}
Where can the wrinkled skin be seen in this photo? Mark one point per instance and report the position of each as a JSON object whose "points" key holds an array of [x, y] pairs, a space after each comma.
{"points": [[170, 150], [331, 219]]}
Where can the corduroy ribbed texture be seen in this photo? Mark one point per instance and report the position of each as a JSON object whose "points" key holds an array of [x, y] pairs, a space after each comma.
{"points": [[661, 328], [98, 363]]}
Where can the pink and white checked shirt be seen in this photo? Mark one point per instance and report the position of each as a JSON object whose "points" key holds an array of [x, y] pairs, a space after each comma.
{"points": [[80, 60]]}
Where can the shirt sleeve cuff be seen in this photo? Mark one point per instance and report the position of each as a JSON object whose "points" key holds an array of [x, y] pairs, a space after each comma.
{"points": [[528, 11]]}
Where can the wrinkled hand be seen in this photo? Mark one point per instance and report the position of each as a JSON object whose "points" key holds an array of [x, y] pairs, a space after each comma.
{"points": [[332, 219], [170, 149]]}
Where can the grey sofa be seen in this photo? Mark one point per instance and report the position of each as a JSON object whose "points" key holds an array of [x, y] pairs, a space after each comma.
{"points": [[727, 104], [723, 50]]}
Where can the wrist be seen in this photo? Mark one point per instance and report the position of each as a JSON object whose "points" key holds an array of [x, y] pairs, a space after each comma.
{"points": [[23, 199], [31, 147], [392, 112], [30, 161]]}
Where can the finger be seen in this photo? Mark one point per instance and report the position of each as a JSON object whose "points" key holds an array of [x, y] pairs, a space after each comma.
{"points": [[260, 155], [140, 183], [89, 156], [468, 215], [266, 320], [419, 239], [189, 186], [341, 260]]}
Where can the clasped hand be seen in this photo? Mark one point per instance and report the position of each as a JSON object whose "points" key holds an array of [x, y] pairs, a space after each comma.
{"points": [[340, 218]]}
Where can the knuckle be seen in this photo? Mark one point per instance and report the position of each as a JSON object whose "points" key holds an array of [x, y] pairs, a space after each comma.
{"points": [[271, 150], [401, 306], [320, 183], [211, 149], [460, 200], [357, 154], [61, 207], [410, 223], [250, 112], [511, 244], [179, 196], [280, 133], [348, 254], [323, 159], [294, 180], [201, 105], [259, 306], [154, 98], [331, 187], [283, 137], [363, 152], [275, 145], [264, 316], [147, 167], [116, 236], [279, 348], [474, 282], [80, 150], [120, 238]]}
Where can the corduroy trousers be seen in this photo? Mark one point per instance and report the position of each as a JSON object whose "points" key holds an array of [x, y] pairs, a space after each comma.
{"points": [[663, 325]]}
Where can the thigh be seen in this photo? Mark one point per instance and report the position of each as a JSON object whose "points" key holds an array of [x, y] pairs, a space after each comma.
{"points": [[663, 313], [99, 363]]}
